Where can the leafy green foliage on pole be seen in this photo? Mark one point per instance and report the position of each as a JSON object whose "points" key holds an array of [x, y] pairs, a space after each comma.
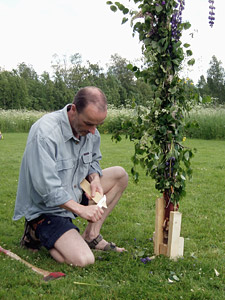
{"points": [[160, 130]]}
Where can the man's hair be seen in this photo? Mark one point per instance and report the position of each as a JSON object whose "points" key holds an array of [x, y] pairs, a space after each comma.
{"points": [[90, 95]]}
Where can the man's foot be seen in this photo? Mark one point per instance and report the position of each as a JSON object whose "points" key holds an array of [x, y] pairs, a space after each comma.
{"points": [[29, 239], [100, 244]]}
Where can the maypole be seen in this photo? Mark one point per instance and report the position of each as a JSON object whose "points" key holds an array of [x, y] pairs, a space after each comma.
{"points": [[159, 131]]}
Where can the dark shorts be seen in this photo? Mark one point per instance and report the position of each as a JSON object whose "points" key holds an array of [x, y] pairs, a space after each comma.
{"points": [[52, 228]]}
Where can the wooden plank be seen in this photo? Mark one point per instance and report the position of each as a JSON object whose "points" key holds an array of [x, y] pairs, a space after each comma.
{"points": [[85, 185], [181, 247], [175, 242], [163, 249], [159, 219]]}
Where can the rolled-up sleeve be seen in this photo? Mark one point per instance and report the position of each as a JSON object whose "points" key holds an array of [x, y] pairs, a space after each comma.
{"points": [[42, 167]]}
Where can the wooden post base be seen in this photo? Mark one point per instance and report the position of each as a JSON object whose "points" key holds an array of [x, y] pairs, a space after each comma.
{"points": [[175, 246]]}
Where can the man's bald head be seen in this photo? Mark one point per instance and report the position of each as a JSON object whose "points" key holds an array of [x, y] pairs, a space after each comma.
{"points": [[90, 95]]}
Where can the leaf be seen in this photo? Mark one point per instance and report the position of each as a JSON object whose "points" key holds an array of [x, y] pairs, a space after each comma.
{"points": [[147, 41], [191, 62], [175, 278], [189, 52], [140, 253], [154, 44], [125, 11], [173, 90], [120, 6], [113, 8], [124, 20], [130, 67], [186, 25], [139, 120], [109, 2], [182, 177], [159, 8], [186, 45], [186, 155]]}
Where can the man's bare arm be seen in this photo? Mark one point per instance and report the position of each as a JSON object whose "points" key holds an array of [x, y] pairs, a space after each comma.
{"points": [[91, 213]]}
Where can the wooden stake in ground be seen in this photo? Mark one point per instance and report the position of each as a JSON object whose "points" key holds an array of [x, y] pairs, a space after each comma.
{"points": [[175, 246], [47, 275]]}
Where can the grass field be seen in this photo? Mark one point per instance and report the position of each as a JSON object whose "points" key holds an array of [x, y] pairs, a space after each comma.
{"points": [[198, 275]]}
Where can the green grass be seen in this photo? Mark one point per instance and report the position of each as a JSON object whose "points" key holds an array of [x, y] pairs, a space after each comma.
{"points": [[124, 276]]}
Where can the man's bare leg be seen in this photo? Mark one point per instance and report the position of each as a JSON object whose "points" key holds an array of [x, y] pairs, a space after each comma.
{"points": [[71, 248], [114, 181]]}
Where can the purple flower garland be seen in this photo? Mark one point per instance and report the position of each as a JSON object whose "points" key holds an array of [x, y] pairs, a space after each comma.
{"points": [[211, 13], [177, 19]]}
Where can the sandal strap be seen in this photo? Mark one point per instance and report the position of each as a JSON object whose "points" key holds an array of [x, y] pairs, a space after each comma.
{"points": [[92, 244], [110, 247]]}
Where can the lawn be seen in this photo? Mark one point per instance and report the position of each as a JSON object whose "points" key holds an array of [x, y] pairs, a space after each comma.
{"points": [[198, 275]]}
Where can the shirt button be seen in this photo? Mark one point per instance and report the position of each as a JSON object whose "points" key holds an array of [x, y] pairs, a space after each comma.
{"points": [[74, 186]]}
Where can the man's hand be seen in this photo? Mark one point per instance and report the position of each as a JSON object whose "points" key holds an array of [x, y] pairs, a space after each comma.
{"points": [[95, 184], [91, 213]]}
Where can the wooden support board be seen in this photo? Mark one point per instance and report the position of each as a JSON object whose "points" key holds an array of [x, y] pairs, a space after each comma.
{"points": [[175, 246], [159, 219], [175, 242], [85, 185]]}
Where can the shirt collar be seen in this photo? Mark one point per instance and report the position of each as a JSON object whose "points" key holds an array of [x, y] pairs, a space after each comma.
{"points": [[65, 124]]}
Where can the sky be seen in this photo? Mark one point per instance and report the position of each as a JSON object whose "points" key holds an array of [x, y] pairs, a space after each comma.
{"points": [[32, 31]]}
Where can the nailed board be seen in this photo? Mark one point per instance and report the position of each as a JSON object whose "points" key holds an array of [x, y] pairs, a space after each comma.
{"points": [[175, 246], [175, 242], [159, 219]]}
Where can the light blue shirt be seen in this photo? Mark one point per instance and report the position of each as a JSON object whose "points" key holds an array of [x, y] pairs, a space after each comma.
{"points": [[53, 165]]}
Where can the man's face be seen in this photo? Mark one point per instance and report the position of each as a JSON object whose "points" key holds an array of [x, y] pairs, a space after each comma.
{"points": [[86, 121]]}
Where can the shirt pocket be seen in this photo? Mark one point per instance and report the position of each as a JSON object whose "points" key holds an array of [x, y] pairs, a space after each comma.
{"points": [[65, 171], [86, 160], [87, 157]]}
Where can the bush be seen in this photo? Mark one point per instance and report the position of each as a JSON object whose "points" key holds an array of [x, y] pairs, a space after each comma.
{"points": [[18, 120], [115, 119], [210, 123]]}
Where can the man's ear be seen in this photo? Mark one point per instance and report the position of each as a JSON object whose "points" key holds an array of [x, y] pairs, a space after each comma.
{"points": [[73, 107]]}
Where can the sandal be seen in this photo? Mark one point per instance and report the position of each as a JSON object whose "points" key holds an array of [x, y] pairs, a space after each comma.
{"points": [[109, 247]]}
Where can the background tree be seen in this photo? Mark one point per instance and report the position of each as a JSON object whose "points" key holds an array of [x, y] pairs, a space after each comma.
{"points": [[213, 87], [13, 91], [118, 68], [215, 80], [202, 86]]}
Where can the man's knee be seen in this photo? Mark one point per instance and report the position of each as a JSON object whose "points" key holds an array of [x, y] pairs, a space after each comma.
{"points": [[122, 176], [83, 260], [115, 177]]}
